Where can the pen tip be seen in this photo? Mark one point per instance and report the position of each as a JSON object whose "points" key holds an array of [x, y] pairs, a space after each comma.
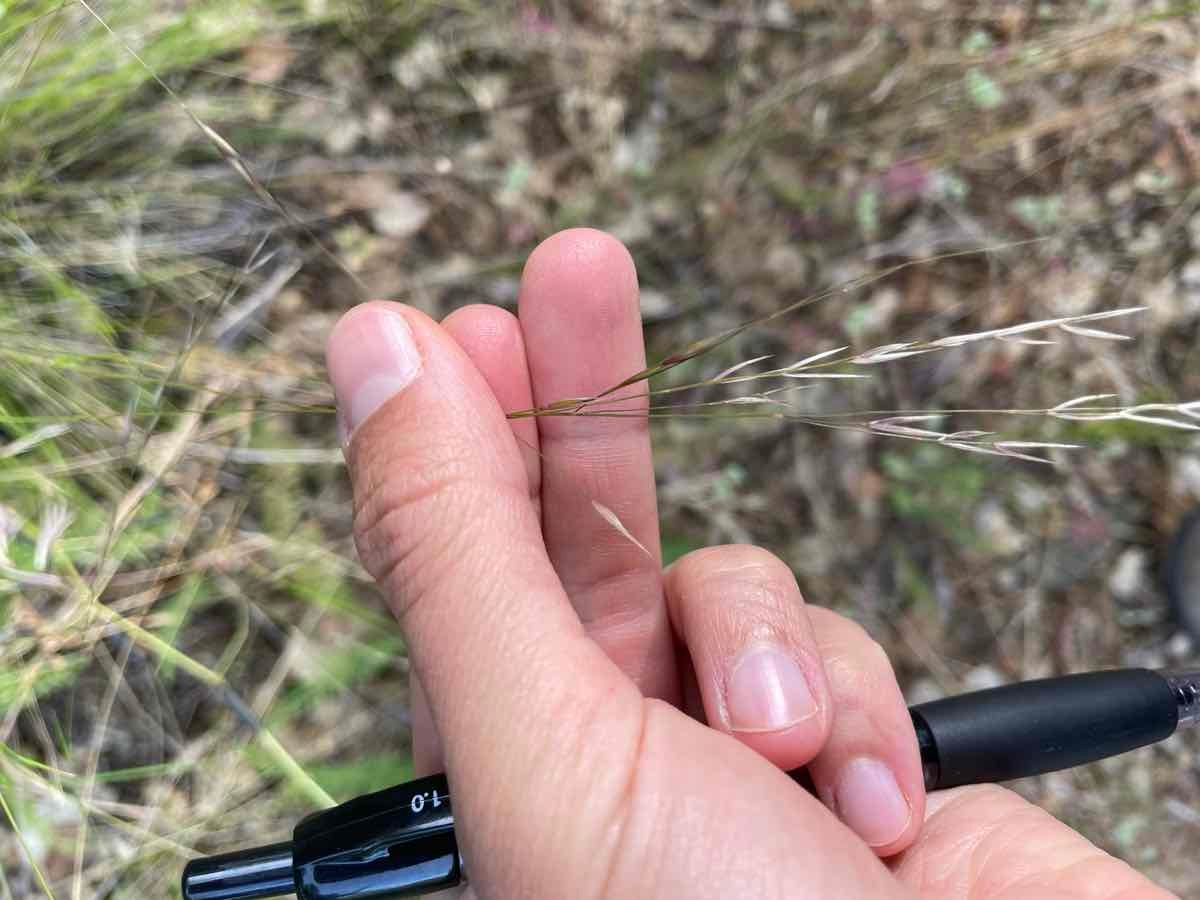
{"points": [[1186, 688]]}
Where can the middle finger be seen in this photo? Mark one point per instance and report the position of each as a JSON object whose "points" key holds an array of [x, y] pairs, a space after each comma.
{"points": [[580, 315]]}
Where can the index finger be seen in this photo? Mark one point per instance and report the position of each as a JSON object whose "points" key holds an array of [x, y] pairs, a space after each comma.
{"points": [[444, 523]]}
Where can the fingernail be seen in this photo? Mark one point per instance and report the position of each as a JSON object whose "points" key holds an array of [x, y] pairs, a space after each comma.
{"points": [[767, 691], [869, 800], [372, 358]]}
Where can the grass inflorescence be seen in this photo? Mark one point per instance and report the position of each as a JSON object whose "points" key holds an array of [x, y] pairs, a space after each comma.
{"points": [[876, 248]]}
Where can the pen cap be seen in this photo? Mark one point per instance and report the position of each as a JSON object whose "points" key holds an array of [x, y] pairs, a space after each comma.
{"points": [[260, 872], [398, 842]]}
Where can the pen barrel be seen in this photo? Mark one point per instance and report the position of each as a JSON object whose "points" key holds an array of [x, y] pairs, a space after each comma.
{"points": [[398, 842], [1033, 727], [244, 875]]}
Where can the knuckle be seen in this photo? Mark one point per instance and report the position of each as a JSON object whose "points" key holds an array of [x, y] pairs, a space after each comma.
{"points": [[733, 562], [852, 683], [858, 669], [739, 594], [414, 521], [875, 657], [840, 636], [408, 559]]}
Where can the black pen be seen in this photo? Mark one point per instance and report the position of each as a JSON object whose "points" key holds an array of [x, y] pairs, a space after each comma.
{"points": [[400, 842]]}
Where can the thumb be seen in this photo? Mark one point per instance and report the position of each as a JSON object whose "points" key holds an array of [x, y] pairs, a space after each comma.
{"points": [[443, 521]]}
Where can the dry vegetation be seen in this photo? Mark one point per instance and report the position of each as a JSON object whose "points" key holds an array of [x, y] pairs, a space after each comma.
{"points": [[190, 656]]}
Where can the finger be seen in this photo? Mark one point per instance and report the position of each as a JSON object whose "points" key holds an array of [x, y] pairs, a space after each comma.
{"points": [[987, 843], [711, 819], [740, 613], [427, 754], [758, 657], [869, 770], [492, 338], [579, 311], [443, 522], [426, 742]]}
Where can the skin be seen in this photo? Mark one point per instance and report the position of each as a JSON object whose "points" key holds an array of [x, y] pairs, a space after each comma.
{"points": [[585, 704]]}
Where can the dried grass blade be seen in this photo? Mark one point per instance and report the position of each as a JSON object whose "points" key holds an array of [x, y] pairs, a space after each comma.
{"points": [[25, 848], [906, 431], [826, 375], [1027, 342], [1131, 416], [31, 440], [739, 367], [1095, 333], [889, 352], [698, 348], [966, 436], [1035, 445], [1110, 314], [809, 360], [230, 154], [992, 451], [1079, 401], [958, 340], [1090, 417], [750, 400], [895, 420]]}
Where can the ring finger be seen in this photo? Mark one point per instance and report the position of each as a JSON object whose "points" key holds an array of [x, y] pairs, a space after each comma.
{"points": [[801, 686]]}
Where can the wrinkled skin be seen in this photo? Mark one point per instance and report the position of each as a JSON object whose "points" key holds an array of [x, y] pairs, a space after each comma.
{"points": [[611, 730]]}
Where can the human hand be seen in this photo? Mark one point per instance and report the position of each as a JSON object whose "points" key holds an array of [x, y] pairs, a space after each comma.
{"points": [[608, 730]]}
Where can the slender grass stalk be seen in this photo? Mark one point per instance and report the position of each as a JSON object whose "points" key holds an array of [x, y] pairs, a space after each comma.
{"points": [[29, 857], [276, 752]]}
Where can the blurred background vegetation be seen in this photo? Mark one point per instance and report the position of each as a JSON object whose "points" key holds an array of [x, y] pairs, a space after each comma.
{"points": [[191, 191]]}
